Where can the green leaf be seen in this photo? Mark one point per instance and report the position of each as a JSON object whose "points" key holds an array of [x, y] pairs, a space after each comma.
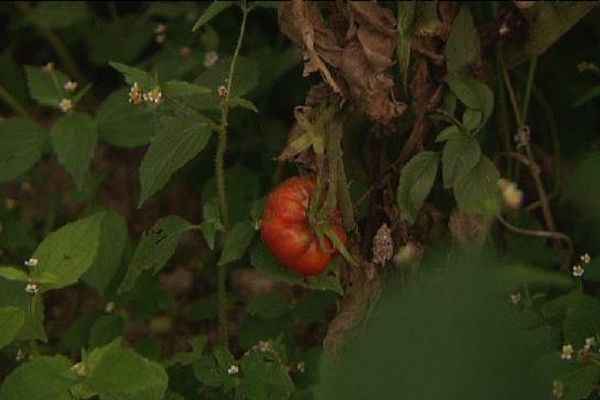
{"points": [[105, 329], [67, 253], [113, 237], [74, 140], [236, 242], [121, 39], [241, 102], [416, 181], [117, 373], [13, 274], [582, 319], [46, 86], [12, 293], [477, 191], [134, 75], [155, 248], [188, 358], [21, 145], [265, 262], [326, 281], [180, 140], [268, 306], [547, 22], [264, 378], [123, 124], [473, 93], [58, 15], [587, 96], [212, 221], [460, 155], [11, 321], [212, 369], [462, 47], [406, 16], [449, 133], [472, 119], [43, 378], [245, 79], [182, 88], [214, 9]]}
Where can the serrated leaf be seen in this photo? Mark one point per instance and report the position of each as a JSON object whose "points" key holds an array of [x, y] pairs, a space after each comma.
{"points": [[179, 140], [449, 133], [472, 93], [236, 242], [21, 145], [64, 255], [183, 88], [13, 274], [477, 191], [155, 248], [74, 140], [105, 329], [133, 75], [188, 358], [117, 373], [43, 378], [245, 79], [58, 15], [265, 262], [244, 103], [264, 378], [46, 86], [113, 237], [123, 124], [11, 321], [462, 47], [214, 9], [416, 181], [460, 155]]}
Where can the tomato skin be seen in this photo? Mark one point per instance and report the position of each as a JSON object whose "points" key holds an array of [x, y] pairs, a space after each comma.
{"points": [[286, 231]]}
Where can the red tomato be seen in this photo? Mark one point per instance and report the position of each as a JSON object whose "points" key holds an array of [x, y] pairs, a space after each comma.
{"points": [[286, 231]]}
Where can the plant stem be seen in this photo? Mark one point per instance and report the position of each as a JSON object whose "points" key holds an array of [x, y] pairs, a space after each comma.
{"points": [[10, 101], [528, 87], [220, 176]]}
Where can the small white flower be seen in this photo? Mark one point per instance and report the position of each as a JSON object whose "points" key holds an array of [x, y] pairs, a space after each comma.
{"points": [[233, 370], [49, 67], [515, 298], [578, 271], [110, 307], [160, 29], [20, 355], [160, 39], [301, 367], [210, 59], [567, 352], [10, 204], [65, 105], [135, 94], [264, 346], [222, 90], [31, 262], [32, 288], [70, 86], [590, 343], [79, 369], [153, 96], [558, 389], [585, 258]]}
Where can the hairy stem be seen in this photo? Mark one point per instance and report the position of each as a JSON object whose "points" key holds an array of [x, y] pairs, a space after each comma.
{"points": [[10, 101], [220, 176]]}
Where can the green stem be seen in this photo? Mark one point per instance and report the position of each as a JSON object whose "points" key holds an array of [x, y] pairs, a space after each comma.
{"points": [[529, 85], [220, 176], [10, 101]]}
